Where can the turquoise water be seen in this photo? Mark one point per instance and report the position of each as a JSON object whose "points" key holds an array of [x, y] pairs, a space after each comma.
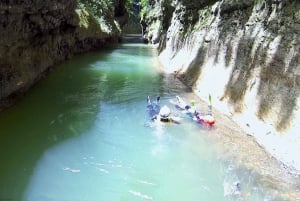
{"points": [[83, 134]]}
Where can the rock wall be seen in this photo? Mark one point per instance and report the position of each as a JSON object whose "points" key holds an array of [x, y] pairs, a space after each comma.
{"points": [[245, 53], [35, 35]]}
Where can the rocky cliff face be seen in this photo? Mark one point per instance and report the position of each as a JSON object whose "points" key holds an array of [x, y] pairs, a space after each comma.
{"points": [[35, 35], [245, 53]]}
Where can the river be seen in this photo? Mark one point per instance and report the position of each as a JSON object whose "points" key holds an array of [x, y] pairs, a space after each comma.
{"points": [[83, 133]]}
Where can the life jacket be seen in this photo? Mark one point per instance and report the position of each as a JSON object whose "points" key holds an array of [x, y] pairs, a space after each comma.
{"points": [[205, 119]]}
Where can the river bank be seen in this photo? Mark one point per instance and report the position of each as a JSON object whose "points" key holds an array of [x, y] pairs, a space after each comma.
{"points": [[250, 155], [283, 146], [257, 155], [245, 55]]}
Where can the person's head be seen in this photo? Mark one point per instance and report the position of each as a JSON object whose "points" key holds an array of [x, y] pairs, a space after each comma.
{"points": [[187, 107]]}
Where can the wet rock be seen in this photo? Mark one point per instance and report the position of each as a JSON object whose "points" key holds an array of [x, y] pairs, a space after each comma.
{"points": [[35, 35]]}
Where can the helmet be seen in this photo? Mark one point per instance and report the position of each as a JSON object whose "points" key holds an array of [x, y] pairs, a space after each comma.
{"points": [[165, 112]]}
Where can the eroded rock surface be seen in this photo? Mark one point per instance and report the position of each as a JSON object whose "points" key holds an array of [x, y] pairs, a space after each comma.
{"points": [[245, 53], [35, 35]]}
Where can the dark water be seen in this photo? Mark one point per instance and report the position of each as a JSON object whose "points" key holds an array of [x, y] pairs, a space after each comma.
{"points": [[83, 134]]}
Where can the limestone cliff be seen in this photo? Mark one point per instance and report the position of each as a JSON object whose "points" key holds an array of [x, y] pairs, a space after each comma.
{"points": [[245, 53], [35, 35]]}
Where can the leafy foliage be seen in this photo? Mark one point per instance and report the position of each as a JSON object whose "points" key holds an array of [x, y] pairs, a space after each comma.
{"points": [[145, 4], [138, 7], [96, 7], [128, 4]]}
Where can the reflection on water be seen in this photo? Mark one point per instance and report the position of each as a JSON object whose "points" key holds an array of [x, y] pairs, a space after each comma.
{"points": [[83, 134]]}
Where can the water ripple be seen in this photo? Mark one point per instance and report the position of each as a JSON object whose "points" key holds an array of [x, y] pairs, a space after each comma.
{"points": [[140, 195]]}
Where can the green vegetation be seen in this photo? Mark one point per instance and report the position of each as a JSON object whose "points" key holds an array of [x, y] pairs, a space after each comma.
{"points": [[145, 4], [97, 8], [128, 5], [297, 14], [97, 17], [138, 7]]}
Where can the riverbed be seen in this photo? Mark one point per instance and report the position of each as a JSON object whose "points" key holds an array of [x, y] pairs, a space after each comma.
{"points": [[83, 133]]}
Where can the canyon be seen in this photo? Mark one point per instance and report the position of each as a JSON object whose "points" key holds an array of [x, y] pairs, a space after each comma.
{"points": [[245, 54]]}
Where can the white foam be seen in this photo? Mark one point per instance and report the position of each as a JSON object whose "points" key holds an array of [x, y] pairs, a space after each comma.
{"points": [[71, 170], [140, 195], [103, 170], [146, 182]]}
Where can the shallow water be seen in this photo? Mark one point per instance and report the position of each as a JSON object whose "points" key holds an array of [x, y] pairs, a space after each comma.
{"points": [[83, 134]]}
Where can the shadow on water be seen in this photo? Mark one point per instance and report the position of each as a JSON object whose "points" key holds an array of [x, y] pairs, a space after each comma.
{"points": [[68, 138], [62, 106], [54, 110]]}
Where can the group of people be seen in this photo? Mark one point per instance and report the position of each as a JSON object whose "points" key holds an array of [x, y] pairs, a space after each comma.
{"points": [[164, 114]]}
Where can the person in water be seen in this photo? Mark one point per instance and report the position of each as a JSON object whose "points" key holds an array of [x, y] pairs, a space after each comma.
{"points": [[206, 119], [156, 113], [153, 108], [165, 115], [182, 105]]}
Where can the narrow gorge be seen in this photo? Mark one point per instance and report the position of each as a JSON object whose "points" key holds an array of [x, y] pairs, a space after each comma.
{"points": [[77, 79]]}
